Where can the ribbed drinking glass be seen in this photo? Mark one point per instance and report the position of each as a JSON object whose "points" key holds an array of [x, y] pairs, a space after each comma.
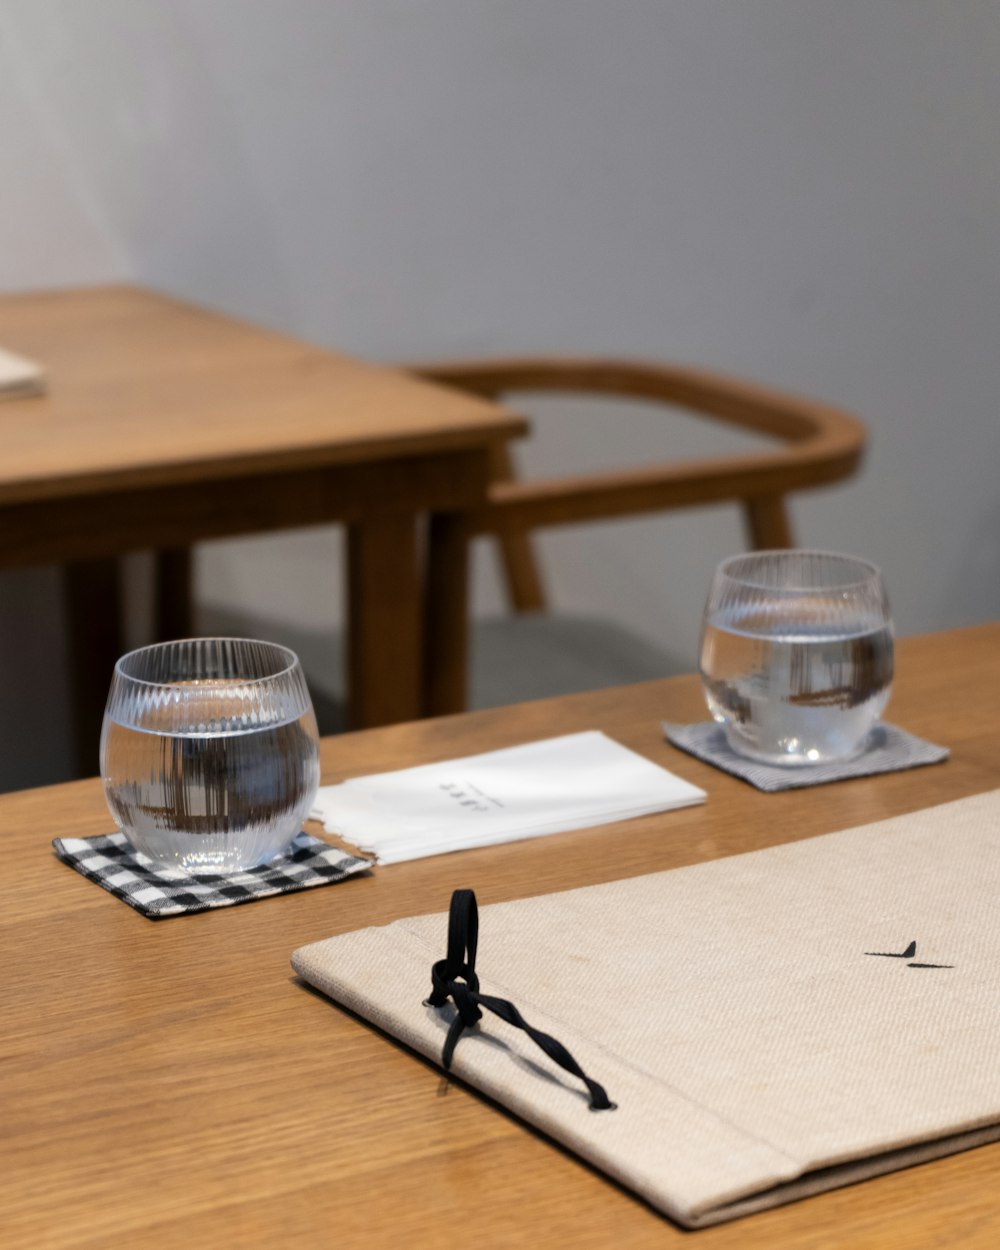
{"points": [[210, 752], [796, 654]]}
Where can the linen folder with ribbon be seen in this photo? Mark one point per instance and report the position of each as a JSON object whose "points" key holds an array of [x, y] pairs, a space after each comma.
{"points": [[766, 1026]]}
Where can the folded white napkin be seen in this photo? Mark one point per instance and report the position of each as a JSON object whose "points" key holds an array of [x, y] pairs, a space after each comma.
{"points": [[19, 377], [572, 782]]}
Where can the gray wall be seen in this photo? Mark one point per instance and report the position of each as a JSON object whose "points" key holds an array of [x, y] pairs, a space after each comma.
{"points": [[800, 192]]}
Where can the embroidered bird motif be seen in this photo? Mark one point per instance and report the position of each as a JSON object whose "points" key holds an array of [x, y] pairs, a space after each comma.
{"points": [[910, 951]]}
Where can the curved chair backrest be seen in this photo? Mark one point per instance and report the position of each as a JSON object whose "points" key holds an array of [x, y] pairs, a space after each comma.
{"points": [[818, 445]]}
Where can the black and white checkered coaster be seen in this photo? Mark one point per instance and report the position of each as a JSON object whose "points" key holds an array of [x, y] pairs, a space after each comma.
{"points": [[160, 892], [889, 750]]}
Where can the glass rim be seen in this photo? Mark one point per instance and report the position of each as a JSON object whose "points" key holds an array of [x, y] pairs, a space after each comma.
{"points": [[872, 571], [287, 652]]}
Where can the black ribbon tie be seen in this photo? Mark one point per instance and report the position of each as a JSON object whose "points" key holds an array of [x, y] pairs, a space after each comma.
{"points": [[455, 977]]}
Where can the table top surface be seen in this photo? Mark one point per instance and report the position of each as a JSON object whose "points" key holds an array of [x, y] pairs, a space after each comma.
{"points": [[172, 1083], [144, 389]]}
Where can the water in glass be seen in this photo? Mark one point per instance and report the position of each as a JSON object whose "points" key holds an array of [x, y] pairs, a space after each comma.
{"points": [[797, 675], [212, 774]]}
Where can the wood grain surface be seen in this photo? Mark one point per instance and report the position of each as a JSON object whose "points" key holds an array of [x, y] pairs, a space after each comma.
{"points": [[144, 389], [171, 1084]]}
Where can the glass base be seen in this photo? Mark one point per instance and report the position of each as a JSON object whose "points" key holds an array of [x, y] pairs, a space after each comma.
{"points": [[205, 863], [793, 754]]}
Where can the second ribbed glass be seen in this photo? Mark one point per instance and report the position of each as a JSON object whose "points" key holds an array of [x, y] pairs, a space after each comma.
{"points": [[796, 654], [210, 752]]}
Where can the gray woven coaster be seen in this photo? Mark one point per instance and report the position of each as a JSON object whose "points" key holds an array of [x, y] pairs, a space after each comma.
{"points": [[890, 749]]}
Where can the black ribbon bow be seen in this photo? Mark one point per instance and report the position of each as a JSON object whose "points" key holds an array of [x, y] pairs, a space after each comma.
{"points": [[455, 977]]}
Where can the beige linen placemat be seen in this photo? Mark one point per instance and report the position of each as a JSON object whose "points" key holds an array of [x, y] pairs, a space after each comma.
{"points": [[769, 1025]]}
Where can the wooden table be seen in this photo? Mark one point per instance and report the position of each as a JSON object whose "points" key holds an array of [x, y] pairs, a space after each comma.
{"points": [[166, 424], [171, 1084]]}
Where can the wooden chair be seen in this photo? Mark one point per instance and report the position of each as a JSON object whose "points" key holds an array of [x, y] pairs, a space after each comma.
{"points": [[818, 445]]}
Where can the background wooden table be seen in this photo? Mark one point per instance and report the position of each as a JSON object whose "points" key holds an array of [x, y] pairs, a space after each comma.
{"points": [[166, 424], [169, 1084]]}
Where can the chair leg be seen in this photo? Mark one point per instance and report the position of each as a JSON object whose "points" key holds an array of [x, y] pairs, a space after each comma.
{"points": [[767, 523], [523, 581]]}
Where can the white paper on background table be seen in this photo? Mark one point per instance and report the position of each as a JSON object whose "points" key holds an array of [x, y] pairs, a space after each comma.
{"points": [[19, 377], [552, 786]]}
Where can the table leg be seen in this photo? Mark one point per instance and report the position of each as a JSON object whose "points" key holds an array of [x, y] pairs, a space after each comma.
{"points": [[383, 622], [92, 595], [173, 593], [446, 619]]}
